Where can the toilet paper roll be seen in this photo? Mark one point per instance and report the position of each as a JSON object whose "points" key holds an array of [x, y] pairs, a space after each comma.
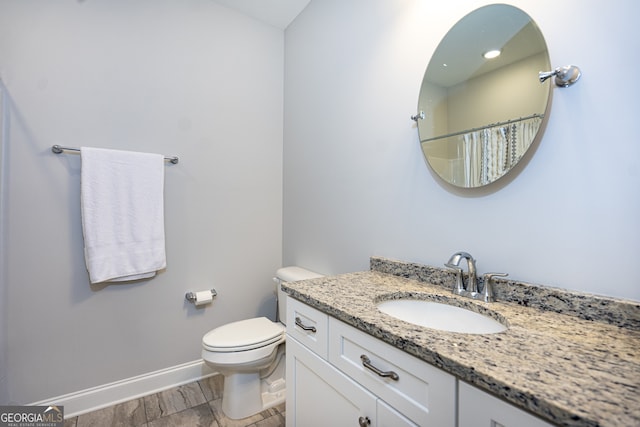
{"points": [[203, 297]]}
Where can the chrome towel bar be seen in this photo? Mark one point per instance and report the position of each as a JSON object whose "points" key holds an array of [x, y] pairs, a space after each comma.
{"points": [[58, 149]]}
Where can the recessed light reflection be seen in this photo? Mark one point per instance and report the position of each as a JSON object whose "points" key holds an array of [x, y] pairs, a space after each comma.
{"points": [[490, 54]]}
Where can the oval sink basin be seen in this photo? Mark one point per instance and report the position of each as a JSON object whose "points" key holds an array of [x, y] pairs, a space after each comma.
{"points": [[440, 316]]}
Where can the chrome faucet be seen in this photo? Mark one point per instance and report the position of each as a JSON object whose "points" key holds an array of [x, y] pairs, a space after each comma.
{"points": [[471, 289], [472, 283], [487, 290]]}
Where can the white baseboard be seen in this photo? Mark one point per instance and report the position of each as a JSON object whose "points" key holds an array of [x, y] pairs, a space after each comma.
{"points": [[102, 396]]}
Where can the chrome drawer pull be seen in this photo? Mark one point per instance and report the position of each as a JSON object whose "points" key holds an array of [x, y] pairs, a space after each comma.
{"points": [[306, 328], [366, 362]]}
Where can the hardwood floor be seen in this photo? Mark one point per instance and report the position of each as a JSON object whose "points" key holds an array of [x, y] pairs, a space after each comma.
{"points": [[197, 404]]}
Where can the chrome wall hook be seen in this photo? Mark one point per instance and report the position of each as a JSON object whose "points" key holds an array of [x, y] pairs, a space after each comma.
{"points": [[564, 76]]}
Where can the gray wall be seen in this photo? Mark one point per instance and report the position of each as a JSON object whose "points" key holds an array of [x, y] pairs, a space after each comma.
{"points": [[356, 184], [4, 371], [193, 79], [187, 78]]}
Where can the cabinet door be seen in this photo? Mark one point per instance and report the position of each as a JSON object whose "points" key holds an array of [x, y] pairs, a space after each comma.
{"points": [[389, 417], [318, 395], [480, 409]]}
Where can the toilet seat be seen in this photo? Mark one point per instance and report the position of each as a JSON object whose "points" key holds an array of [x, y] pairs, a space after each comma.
{"points": [[243, 335]]}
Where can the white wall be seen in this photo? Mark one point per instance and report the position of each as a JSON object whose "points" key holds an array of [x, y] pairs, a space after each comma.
{"points": [[186, 78], [356, 184]]}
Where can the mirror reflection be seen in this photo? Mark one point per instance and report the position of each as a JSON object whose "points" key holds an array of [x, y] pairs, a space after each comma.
{"points": [[482, 99]]}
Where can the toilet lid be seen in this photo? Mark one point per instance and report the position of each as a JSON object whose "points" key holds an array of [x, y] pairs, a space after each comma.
{"points": [[243, 335]]}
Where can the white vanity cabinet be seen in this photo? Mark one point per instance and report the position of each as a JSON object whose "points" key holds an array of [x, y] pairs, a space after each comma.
{"points": [[340, 376], [480, 409], [318, 395], [329, 383]]}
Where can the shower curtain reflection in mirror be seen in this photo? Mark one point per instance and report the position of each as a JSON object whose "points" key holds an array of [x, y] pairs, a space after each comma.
{"points": [[481, 156]]}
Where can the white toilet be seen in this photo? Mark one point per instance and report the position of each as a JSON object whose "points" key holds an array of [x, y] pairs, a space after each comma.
{"points": [[250, 355]]}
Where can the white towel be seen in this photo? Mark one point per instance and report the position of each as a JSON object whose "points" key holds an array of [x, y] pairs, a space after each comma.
{"points": [[122, 214]]}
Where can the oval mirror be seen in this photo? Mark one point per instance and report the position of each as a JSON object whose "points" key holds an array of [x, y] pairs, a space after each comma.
{"points": [[482, 110]]}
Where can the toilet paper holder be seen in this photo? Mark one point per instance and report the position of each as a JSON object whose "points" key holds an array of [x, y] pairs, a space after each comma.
{"points": [[191, 296]]}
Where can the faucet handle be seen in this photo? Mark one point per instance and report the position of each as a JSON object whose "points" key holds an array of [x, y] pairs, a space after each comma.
{"points": [[487, 290], [458, 287]]}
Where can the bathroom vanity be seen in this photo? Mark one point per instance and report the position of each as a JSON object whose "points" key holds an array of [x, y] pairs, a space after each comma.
{"points": [[350, 364]]}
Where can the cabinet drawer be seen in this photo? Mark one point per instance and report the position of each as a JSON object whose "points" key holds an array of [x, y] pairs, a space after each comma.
{"points": [[423, 393], [308, 325]]}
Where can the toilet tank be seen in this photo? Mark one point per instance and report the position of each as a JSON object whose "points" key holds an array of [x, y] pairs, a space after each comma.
{"points": [[289, 274]]}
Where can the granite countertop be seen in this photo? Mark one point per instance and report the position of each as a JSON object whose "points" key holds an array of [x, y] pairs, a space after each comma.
{"points": [[567, 370]]}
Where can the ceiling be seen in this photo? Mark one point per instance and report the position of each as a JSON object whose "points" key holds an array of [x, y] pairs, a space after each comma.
{"points": [[278, 13]]}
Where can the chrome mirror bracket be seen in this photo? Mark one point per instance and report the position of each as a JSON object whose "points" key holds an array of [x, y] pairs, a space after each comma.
{"points": [[564, 76], [419, 116]]}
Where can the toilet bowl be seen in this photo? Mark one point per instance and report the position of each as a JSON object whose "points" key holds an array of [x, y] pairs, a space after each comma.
{"points": [[250, 354]]}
